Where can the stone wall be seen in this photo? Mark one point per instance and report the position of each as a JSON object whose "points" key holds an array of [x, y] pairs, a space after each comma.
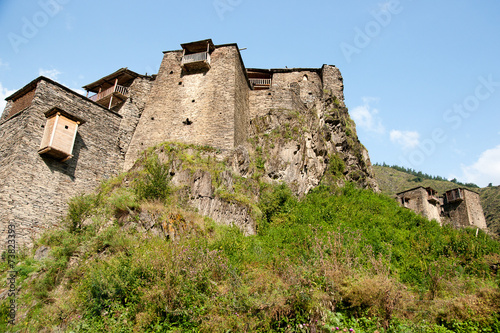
{"points": [[333, 82], [467, 212], [241, 101], [197, 108], [289, 91], [262, 101], [131, 110], [416, 200], [475, 210], [34, 189]]}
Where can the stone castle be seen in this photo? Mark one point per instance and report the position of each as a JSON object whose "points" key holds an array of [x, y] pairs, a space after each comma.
{"points": [[56, 143], [459, 207]]}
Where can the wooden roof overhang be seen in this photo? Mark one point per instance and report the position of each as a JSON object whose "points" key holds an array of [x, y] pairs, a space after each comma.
{"points": [[123, 75], [258, 73], [205, 45], [68, 115]]}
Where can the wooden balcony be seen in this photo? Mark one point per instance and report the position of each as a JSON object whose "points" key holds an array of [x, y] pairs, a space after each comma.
{"points": [[455, 195], [196, 61], [114, 94], [260, 84], [432, 199]]}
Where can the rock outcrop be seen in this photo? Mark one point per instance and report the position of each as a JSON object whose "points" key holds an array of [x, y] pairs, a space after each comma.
{"points": [[307, 146]]}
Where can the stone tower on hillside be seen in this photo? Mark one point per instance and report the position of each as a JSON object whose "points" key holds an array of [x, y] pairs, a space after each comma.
{"points": [[200, 96], [459, 207], [55, 143]]}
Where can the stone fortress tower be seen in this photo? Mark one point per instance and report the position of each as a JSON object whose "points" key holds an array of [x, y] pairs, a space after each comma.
{"points": [[56, 143], [459, 207]]}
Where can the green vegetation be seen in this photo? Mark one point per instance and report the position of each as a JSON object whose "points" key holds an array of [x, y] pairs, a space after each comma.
{"points": [[155, 183], [345, 258], [420, 176]]}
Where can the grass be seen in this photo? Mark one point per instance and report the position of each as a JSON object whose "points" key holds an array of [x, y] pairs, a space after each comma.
{"points": [[134, 257], [345, 258]]}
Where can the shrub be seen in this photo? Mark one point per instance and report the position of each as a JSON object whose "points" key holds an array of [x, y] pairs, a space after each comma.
{"points": [[80, 207], [155, 182], [123, 201]]}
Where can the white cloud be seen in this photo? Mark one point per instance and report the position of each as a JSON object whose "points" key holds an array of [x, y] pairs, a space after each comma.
{"points": [[366, 117], [485, 170], [406, 139], [4, 92], [50, 73]]}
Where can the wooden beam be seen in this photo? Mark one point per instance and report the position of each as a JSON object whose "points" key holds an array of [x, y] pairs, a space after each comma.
{"points": [[54, 129], [110, 101], [73, 143]]}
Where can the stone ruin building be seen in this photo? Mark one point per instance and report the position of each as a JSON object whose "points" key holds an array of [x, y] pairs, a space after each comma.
{"points": [[459, 207], [56, 143]]}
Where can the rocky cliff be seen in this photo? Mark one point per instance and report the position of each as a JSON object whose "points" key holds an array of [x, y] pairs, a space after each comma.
{"points": [[304, 147], [309, 145]]}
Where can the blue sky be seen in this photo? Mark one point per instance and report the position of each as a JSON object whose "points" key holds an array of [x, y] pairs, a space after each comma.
{"points": [[422, 78]]}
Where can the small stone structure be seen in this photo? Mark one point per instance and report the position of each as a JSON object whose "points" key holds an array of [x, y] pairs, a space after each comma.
{"points": [[423, 201], [463, 207], [459, 207], [56, 143]]}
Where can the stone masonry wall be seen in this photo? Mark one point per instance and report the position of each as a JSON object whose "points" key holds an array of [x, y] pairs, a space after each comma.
{"points": [[207, 99], [289, 91], [241, 101], [131, 110], [333, 82], [418, 203], [475, 210], [6, 111], [261, 101], [35, 189], [296, 90]]}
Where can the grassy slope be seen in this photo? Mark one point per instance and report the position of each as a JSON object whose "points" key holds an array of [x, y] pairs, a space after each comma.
{"points": [[392, 181], [344, 258]]}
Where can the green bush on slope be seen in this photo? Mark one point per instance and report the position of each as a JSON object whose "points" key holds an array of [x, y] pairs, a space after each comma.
{"points": [[354, 260]]}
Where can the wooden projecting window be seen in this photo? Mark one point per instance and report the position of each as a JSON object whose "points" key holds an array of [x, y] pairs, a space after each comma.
{"points": [[59, 135]]}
